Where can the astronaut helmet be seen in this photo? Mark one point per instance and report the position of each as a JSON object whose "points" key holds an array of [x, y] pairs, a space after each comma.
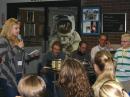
{"points": [[64, 24]]}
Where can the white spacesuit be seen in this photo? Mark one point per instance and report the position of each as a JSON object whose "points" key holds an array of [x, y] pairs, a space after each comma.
{"points": [[64, 31]]}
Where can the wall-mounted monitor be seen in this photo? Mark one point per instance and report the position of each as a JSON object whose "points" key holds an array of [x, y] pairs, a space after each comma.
{"points": [[114, 22]]}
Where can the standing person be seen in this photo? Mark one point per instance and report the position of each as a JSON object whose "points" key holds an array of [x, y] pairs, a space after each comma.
{"points": [[122, 59], [73, 79], [84, 56], [55, 53], [104, 44], [8, 41]]}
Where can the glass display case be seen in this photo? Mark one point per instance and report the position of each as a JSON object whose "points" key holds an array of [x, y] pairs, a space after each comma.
{"points": [[32, 24]]}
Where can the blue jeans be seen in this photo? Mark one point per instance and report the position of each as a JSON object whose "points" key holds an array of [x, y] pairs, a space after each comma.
{"points": [[9, 91], [49, 82]]}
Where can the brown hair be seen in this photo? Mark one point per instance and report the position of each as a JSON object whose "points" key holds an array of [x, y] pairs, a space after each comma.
{"points": [[73, 79], [101, 58], [58, 43]]}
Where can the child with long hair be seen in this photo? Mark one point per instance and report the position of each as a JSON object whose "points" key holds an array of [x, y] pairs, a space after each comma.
{"points": [[73, 79], [105, 69]]}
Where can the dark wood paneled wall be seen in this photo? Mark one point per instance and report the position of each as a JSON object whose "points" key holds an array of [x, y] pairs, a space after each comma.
{"points": [[109, 6]]}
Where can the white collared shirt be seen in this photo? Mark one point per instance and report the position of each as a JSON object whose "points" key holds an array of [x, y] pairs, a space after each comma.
{"points": [[95, 49]]}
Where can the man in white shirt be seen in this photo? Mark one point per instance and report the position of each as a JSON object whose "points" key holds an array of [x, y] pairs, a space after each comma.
{"points": [[104, 44]]}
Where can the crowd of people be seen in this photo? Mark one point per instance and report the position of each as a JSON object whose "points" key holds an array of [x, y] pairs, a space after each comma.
{"points": [[82, 74]]}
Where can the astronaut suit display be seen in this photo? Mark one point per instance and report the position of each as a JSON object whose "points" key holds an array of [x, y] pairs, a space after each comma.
{"points": [[64, 31]]}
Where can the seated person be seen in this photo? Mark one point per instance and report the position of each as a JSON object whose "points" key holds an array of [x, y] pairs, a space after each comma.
{"points": [[104, 68], [31, 86], [112, 88], [106, 84], [55, 53], [82, 55], [73, 79]]}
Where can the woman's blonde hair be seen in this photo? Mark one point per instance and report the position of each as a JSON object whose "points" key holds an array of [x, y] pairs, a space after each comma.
{"points": [[104, 61], [73, 79], [112, 89], [31, 86], [6, 30]]}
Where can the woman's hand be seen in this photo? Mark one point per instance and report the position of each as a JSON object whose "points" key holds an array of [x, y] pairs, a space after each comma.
{"points": [[21, 44]]}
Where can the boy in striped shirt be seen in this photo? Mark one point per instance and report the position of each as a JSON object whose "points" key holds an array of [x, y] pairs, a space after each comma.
{"points": [[122, 59]]}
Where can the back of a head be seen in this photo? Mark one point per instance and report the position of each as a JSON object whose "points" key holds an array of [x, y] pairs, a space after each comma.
{"points": [[73, 79], [106, 69], [31, 86], [105, 65], [112, 89], [71, 68], [102, 58]]}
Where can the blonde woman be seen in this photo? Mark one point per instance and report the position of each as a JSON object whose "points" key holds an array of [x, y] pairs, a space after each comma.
{"points": [[31, 86], [104, 68], [73, 79], [8, 40], [112, 88]]}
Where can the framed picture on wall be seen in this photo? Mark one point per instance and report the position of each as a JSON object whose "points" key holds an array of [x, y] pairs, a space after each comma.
{"points": [[90, 20], [114, 22]]}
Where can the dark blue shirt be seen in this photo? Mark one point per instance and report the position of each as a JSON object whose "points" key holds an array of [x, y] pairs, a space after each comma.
{"points": [[81, 56], [49, 57]]}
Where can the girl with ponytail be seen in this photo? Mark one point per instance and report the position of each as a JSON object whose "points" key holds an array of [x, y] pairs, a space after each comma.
{"points": [[104, 68]]}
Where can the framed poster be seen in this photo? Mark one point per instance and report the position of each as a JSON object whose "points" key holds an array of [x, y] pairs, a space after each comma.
{"points": [[90, 20], [114, 22]]}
